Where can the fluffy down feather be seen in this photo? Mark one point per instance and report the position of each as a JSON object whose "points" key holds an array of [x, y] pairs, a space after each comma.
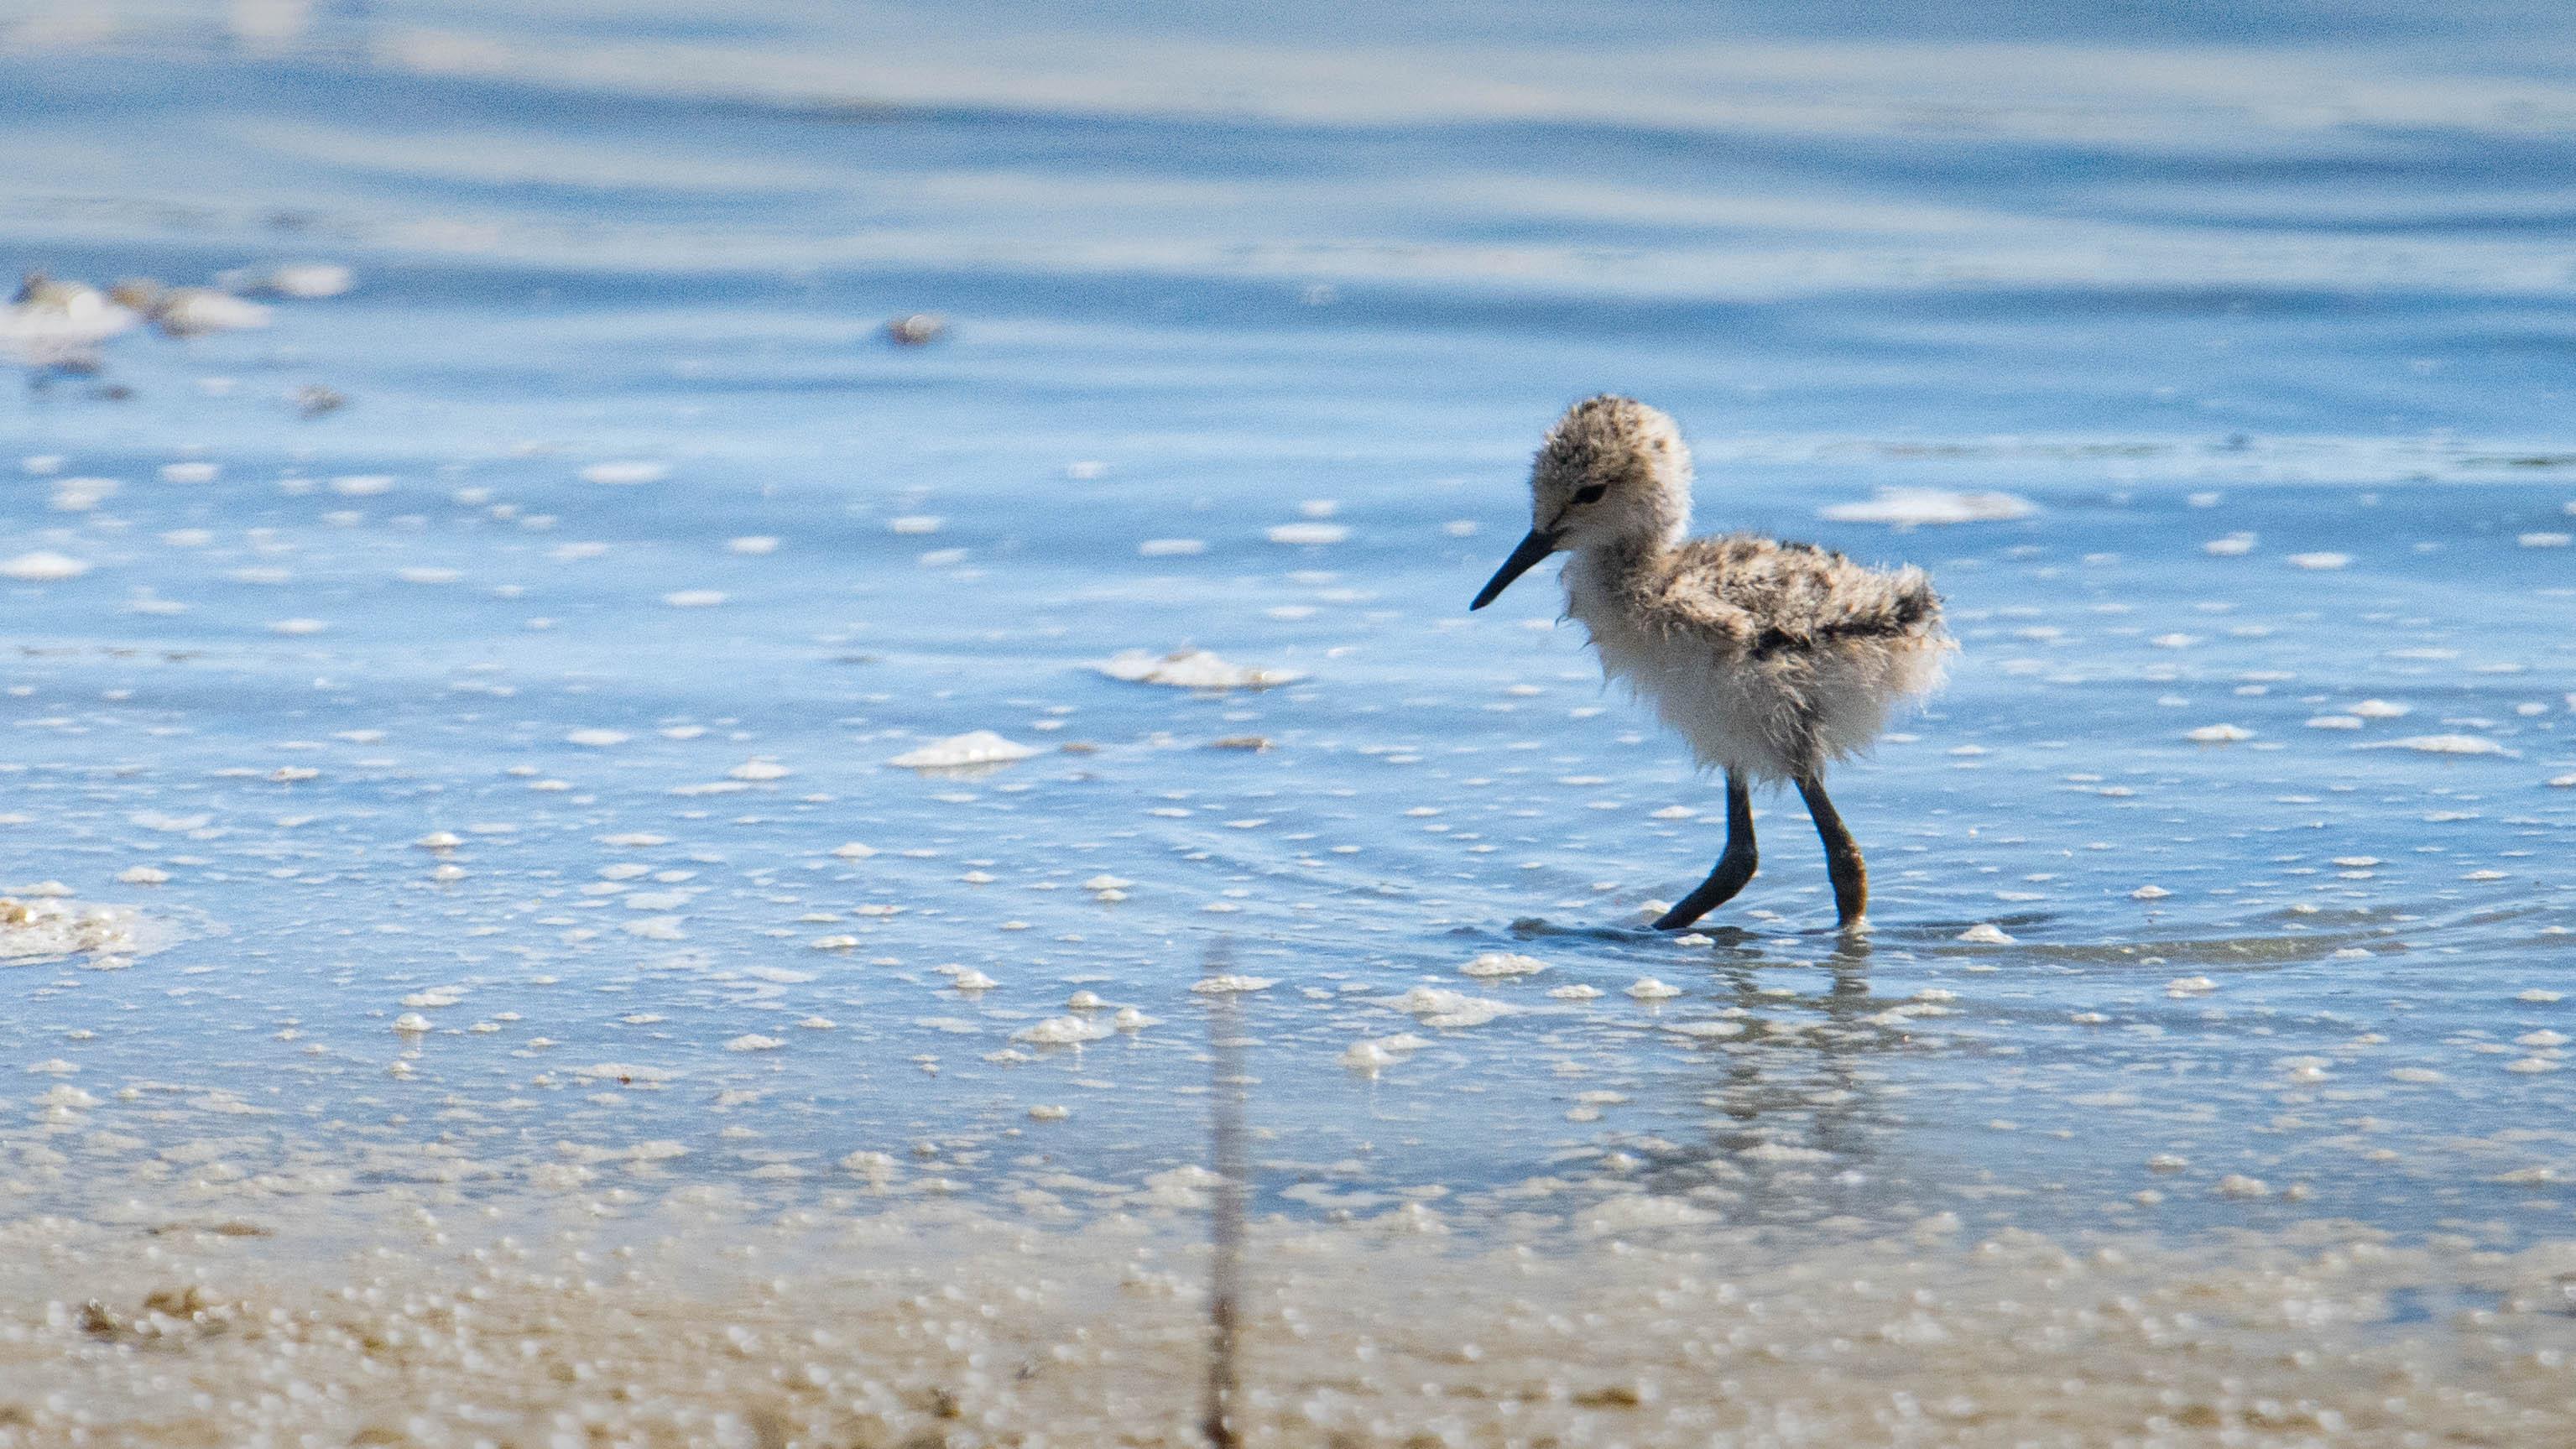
{"points": [[1770, 658]]}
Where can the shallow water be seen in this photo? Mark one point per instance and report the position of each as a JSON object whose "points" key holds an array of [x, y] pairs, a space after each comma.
{"points": [[637, 554]]}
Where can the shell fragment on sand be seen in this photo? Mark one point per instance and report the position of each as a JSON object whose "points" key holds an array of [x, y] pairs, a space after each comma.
{"points": [[1190, 669]]}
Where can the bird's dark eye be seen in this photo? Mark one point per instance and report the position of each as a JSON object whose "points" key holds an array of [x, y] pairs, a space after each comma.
{"points": [[1591, 494]]}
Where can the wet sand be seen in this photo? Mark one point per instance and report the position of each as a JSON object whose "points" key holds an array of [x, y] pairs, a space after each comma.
{"points": [[944, 1324]]}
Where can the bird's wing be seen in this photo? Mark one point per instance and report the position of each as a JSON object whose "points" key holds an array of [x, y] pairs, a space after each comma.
{"points": [[1744, 594], [1703, 593]]}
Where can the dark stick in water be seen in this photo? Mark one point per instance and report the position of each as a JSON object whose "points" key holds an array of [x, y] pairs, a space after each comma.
{"points": [[1225, 1215]]}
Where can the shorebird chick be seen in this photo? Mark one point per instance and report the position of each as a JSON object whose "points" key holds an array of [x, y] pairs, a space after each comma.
{"points": [[1772, 659]]}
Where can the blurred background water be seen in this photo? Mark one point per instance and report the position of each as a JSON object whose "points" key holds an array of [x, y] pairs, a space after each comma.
{"points": [[468, 685]]}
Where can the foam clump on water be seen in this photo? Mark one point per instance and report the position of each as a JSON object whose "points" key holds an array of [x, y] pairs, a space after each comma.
{"points": [[1917, 507], [1441, 1007], [50, 925], [301, 281], [1062, 1031], [43, 566], [57, 322], [195, 311], [1372, 1054], [975, 747], [625, 473], [2441, 745], [1701, 1030], [1190, 669], [1300, 534], [627, 1073], [1231, 984], [1493, 964]]}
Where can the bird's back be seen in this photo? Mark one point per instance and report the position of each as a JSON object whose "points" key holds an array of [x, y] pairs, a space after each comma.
{"points": [[1756, 597]]}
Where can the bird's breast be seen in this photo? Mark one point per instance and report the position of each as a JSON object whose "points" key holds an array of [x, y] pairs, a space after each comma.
{"points": [[1592, 600]]}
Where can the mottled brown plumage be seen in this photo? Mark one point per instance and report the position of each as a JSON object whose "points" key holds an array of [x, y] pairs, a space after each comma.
{"points": [[1772, 659], [1761, 596]]}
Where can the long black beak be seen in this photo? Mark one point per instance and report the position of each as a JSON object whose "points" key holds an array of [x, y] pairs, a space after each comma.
{"points": [[1538, 545]]}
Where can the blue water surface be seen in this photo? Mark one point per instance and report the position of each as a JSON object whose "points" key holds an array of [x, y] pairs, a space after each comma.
{"points": [[2170, 935]]}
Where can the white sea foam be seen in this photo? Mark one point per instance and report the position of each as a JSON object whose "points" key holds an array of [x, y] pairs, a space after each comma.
{"points": [[2441, 745], [1191, 669], [975, 747], [1918, 507], [43, 566]]}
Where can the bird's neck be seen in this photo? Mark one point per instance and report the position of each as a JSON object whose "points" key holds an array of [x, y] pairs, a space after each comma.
{"points": [[1617, 557], [1600, 572]]}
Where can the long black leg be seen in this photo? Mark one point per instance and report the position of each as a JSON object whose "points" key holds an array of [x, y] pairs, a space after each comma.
{"points": [[1842, 854], [1734, 865]]}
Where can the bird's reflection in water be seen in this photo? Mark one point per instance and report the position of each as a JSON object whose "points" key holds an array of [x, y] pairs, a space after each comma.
{"points": [[1798, 1120]]}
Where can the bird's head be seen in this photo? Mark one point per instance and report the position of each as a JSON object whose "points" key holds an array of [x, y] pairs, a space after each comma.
{"points": [[1612, 471]]}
